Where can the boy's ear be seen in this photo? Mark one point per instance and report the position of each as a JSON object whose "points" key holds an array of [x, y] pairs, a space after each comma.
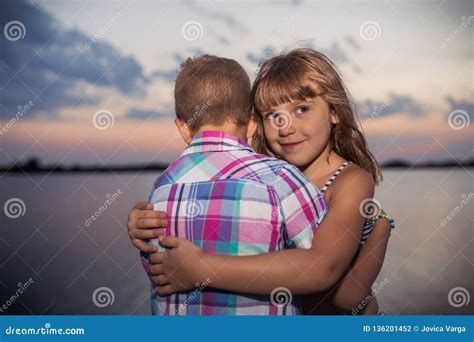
{"points": [[252, 127], [184, 130]]}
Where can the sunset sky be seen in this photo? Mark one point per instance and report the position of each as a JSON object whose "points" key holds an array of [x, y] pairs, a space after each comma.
{"points": [[86, 82]]}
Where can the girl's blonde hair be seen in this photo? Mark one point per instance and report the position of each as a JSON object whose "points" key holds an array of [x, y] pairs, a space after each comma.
{"points": [[303, 74]]}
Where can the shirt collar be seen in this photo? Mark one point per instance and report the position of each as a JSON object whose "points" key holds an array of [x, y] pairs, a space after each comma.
{"points": [[216, 141]]}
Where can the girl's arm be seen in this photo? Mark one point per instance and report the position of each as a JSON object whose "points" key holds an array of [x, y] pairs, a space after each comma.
{"points": [[356, 285], [300, 270]]}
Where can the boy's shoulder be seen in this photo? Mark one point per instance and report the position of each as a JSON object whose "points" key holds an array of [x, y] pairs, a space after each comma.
{"points": [[245, 165], [168, 174], [266, 169]]}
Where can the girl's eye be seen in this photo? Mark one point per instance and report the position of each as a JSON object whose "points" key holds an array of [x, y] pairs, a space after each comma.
{"points": [[301, 109], [272, 116]]}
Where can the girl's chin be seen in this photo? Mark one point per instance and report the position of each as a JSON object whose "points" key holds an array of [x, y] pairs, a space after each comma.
{"points": [[293, 158]]}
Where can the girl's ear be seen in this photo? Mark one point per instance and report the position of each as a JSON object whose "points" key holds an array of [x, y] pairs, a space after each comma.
{"points": [[334, 118]]}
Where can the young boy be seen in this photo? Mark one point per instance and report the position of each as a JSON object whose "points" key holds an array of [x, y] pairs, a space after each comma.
{"points": [[223, 196]]}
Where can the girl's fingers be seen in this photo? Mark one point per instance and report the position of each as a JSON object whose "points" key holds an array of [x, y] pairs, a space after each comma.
{"points": [[143, 246], [146, 234], [151, 223], [170, 241], [157, 258], [140, 214], [165, 290], [143, 205], [159, 280], [156, 269]]}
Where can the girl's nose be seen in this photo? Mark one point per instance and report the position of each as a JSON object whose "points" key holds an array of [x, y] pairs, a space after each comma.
{"points": [[286, 130]]}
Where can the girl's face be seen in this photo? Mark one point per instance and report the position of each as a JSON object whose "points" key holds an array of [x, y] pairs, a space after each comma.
{"points": [[298, 131]]}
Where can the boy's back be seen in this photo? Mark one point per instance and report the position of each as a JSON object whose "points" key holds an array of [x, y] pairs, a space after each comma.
{"points": [[229, 200]]}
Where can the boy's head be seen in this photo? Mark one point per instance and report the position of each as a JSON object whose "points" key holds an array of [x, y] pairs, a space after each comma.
{"points": [[211, 91]]}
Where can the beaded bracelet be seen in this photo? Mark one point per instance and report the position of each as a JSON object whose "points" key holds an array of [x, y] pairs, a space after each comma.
{"points": [[385, 216]]}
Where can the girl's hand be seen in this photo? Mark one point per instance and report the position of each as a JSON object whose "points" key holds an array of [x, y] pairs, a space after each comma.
{"points": [[177, 269], [144, 223]]}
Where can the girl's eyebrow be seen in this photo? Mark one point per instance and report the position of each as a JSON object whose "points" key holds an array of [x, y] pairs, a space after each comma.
{"points": [[299, 103], [294, 104]]}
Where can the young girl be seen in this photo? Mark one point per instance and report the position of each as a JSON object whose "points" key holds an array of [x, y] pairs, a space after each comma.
{"points": [[306, 117]]}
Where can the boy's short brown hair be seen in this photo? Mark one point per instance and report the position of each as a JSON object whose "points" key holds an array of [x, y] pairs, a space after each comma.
{"points": [[212, 90]]}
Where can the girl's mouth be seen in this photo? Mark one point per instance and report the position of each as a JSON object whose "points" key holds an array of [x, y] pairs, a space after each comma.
{"points": [[291, 147]]}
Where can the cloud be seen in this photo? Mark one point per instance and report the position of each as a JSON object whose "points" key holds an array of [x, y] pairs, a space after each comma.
{"points": [[170, 74], [352, 42], [464, 105], [394, 104], [296, 3], [336, 52], [230, 21], [265, 53], [53, 66], [144, 114]]}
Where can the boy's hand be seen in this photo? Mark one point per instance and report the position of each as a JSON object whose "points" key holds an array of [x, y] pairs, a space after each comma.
{"points": [[177, 269], [143, 224]]}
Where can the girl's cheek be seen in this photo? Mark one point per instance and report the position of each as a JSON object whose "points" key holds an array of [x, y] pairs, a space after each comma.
{"points": [[320, 127], [270, 133]]}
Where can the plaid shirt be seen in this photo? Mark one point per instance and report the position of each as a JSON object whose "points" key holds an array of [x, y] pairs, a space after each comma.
{"points": [[227, 199]]}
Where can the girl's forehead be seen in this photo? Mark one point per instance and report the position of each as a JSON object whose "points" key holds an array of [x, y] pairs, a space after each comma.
{"points": [[295, 102]]}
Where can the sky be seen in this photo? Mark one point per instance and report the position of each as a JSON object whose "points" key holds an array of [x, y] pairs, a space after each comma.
{"points": [[87, 82]]}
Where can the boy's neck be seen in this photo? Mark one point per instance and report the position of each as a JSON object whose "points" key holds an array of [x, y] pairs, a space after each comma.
{"points": [[232, 129]]}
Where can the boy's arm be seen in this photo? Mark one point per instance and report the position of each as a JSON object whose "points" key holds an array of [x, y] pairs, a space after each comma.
{"points": [[300, 270], [356, 285]]}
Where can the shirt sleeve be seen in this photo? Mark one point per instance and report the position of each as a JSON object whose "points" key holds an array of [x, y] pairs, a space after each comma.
{"points": [[302, 206]]}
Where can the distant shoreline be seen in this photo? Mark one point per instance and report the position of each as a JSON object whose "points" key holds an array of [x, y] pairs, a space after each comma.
{"points": [[33, 166]]}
